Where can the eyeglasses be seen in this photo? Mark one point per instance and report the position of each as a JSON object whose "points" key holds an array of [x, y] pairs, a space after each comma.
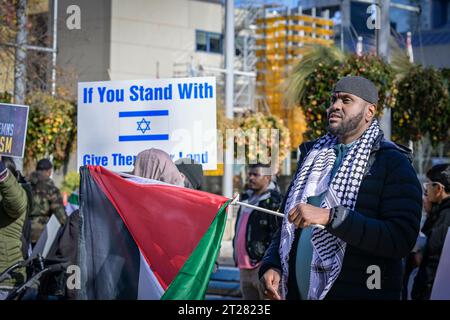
{"points": [[426, 184]]}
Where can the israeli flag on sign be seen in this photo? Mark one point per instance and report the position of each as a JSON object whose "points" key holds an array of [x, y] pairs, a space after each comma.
{"points": [[144, 125]]}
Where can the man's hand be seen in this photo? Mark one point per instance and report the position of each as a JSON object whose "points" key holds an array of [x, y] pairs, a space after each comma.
{"points": [[304, 215], [270, 282]]}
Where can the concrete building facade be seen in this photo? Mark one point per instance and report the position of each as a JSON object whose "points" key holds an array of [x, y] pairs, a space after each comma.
{"points": [[139, 39]]}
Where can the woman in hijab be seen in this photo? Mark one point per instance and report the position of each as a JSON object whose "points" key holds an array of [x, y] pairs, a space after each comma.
{"points": [[156, 164]]}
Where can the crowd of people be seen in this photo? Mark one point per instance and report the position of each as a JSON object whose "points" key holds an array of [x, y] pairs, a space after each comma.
{"points": [[352, 226]]}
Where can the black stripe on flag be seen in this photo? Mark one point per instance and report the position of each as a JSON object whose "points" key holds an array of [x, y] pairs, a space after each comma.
{"points": [[109, 257]]}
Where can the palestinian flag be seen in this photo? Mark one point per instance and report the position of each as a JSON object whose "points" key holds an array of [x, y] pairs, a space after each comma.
{"points": [[144, 240], [72, 203]]}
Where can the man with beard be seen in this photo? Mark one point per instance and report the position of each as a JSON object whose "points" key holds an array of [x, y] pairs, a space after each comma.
{"points": [[352, 211], [254, 229]]}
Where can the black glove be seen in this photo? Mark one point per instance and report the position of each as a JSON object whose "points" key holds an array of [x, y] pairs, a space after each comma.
{"points": [[2, 169]]}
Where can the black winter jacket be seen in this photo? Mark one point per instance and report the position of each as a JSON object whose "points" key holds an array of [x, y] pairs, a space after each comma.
{"points": [[436, 234], [380, 231], [261, 226]]}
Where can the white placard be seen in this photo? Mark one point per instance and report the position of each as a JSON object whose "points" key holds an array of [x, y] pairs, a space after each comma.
{"points": [[47, 237], [118, 119]]}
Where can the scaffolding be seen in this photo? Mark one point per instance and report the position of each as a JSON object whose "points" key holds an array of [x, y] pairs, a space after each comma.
{"points": [[269, 40], [283, 35], [244, 63]]}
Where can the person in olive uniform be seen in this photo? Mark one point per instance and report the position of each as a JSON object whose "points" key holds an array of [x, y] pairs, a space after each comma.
{"points": [[47, 199]]}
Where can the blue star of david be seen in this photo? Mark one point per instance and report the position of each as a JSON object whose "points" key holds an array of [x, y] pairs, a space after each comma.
{"points": [[143, 125]]}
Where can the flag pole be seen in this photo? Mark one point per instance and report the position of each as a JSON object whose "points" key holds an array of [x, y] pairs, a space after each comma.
{"points": [[236, 202], [259, 209]]}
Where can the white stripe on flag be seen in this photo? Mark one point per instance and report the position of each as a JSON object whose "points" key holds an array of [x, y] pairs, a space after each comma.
{"points": [[70, 208], [149, 287]]}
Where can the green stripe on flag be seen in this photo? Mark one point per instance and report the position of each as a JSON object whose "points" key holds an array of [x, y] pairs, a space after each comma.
{"points": [[73, 199], [192, 280]]}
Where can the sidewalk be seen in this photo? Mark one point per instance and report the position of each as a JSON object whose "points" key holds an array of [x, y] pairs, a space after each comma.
{"points": [[226, 249], [226, 253], [224, 283]]}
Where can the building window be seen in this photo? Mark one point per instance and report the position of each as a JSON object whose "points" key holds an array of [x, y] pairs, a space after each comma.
{"points": [[208, 41], [201, 42]]}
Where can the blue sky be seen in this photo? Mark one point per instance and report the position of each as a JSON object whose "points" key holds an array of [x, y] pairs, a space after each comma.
{"points": [[289, 3]]}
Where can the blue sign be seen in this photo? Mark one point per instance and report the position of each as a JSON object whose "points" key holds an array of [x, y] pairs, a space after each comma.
{"points": [[13, 129]]}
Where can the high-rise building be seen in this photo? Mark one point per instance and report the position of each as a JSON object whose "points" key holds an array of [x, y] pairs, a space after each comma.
{"points": [[427, 20]]}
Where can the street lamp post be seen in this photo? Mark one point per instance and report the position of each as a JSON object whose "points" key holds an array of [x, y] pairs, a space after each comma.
{"points": [[227, 183]]}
